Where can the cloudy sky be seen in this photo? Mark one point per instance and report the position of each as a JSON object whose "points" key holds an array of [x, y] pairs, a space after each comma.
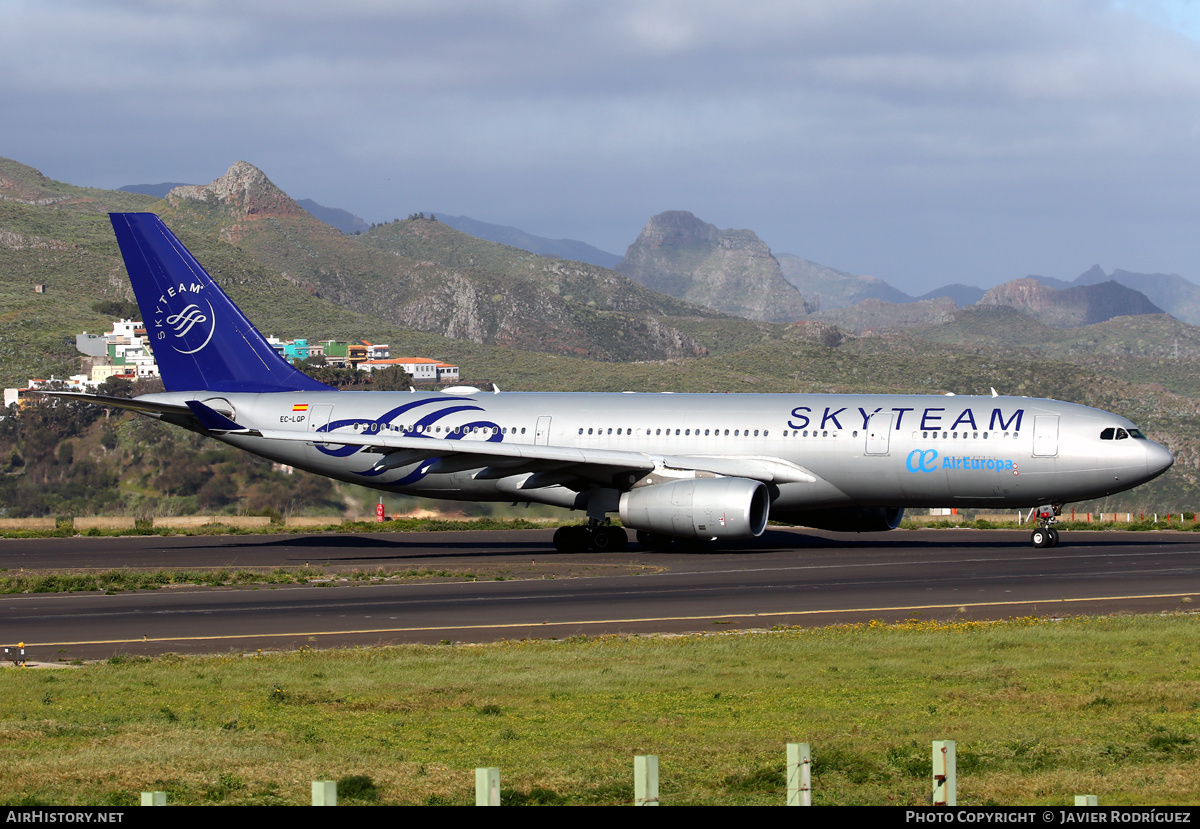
{"points": [[921, 141]]}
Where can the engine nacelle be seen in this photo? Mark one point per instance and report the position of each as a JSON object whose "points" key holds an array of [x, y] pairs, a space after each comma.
{"points": [[847, 519], [699, 508]]}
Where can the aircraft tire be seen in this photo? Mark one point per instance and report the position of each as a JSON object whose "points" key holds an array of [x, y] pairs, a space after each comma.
{"points": [[1040, 538], [609, 540], [1053, 537], [573, 539]]}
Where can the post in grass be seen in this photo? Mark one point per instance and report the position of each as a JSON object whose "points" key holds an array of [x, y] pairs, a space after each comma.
{"points": [[945, 779], [799, 774], [487, 787], [645, 780], [324, 793]]}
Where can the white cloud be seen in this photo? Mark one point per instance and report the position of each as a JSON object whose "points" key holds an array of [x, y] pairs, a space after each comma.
{"points": [[916, 139]]}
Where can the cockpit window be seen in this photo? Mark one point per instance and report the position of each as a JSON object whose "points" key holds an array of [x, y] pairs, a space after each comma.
{"points": [[1113, 433]]}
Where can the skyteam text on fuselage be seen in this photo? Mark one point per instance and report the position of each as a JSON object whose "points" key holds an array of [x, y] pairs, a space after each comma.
{"points": [[673, 466]]}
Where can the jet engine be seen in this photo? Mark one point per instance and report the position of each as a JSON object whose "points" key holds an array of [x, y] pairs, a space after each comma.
{"points": [[847, 519], [698, 508]]}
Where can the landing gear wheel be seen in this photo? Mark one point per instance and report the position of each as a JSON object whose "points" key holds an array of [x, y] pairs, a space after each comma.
{"points": [[1053, 536], [1040, 538], [609, 539], [572, 539]]}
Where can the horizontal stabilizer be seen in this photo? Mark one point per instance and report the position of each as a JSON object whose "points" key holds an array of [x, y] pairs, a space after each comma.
{"points": [[214, 421], [143, 406]]}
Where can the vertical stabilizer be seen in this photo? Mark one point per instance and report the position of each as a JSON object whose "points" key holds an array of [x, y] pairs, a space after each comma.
{"points": [[201, 340]]}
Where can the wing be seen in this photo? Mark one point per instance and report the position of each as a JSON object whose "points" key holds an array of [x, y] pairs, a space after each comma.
{"points": [[502, 459]]}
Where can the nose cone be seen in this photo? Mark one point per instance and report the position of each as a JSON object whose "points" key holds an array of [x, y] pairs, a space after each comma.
{"points": [[1158, 459]]}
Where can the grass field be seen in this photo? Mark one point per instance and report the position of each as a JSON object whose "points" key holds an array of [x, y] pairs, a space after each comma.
{"points": [[1041, 710]]}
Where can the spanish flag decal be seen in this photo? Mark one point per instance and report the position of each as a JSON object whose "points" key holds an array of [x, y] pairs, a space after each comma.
{"points": [[300, 407]]}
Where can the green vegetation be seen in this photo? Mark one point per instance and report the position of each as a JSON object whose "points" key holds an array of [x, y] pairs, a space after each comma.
{"points": [[1041, 710], [117, 581]]}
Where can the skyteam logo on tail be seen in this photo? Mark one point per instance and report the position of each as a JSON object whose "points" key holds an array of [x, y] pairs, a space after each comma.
{"points": [[184, 319]]}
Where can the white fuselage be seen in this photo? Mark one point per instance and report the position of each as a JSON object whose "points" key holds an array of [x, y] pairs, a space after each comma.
{"points": [[864, 450]]}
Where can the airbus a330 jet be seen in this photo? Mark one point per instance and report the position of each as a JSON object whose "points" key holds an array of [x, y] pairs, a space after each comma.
{"points": [[672, 466]]}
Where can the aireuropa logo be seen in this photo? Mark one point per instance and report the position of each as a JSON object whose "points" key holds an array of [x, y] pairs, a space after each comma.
{"points": [[922, 460], [926, 460], [190, 328]]}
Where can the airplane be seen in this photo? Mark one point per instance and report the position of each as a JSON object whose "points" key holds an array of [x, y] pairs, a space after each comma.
{"points": [[676, 468]]}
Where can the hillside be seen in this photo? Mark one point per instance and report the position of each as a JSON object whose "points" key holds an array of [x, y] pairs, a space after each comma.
{"points": [[1166, 290], [827, 289], [877, 315], [426, 240], [731, 271], [442, 292], [1073, 307], [514, 237]]}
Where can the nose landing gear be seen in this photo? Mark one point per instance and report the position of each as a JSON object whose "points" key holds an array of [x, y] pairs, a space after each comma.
{"points": [[1046, 535]]}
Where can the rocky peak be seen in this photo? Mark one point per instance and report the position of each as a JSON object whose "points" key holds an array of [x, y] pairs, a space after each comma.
{"points": [[1092, 276], [1077, 306], [1025, 294], [245, 190], [681, 228], [731, 271]]}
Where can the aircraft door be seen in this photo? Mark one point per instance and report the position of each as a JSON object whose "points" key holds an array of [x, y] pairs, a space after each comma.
{"points": [[879, 433], [1045, 436], [318, 416], [541, 435]]}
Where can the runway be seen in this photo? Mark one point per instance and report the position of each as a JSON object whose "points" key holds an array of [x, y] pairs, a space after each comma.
{"points": [[788, 577]]}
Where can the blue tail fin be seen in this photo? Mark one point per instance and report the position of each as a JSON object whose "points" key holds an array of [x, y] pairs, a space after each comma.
{"points": [[201, 340]]}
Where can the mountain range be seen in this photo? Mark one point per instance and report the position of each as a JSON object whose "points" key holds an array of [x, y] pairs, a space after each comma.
{"points": [[535, 322], [734, 272]]}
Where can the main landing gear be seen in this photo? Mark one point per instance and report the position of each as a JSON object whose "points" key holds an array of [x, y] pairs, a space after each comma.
{"points": [[1046, 535], [600, 537]]}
